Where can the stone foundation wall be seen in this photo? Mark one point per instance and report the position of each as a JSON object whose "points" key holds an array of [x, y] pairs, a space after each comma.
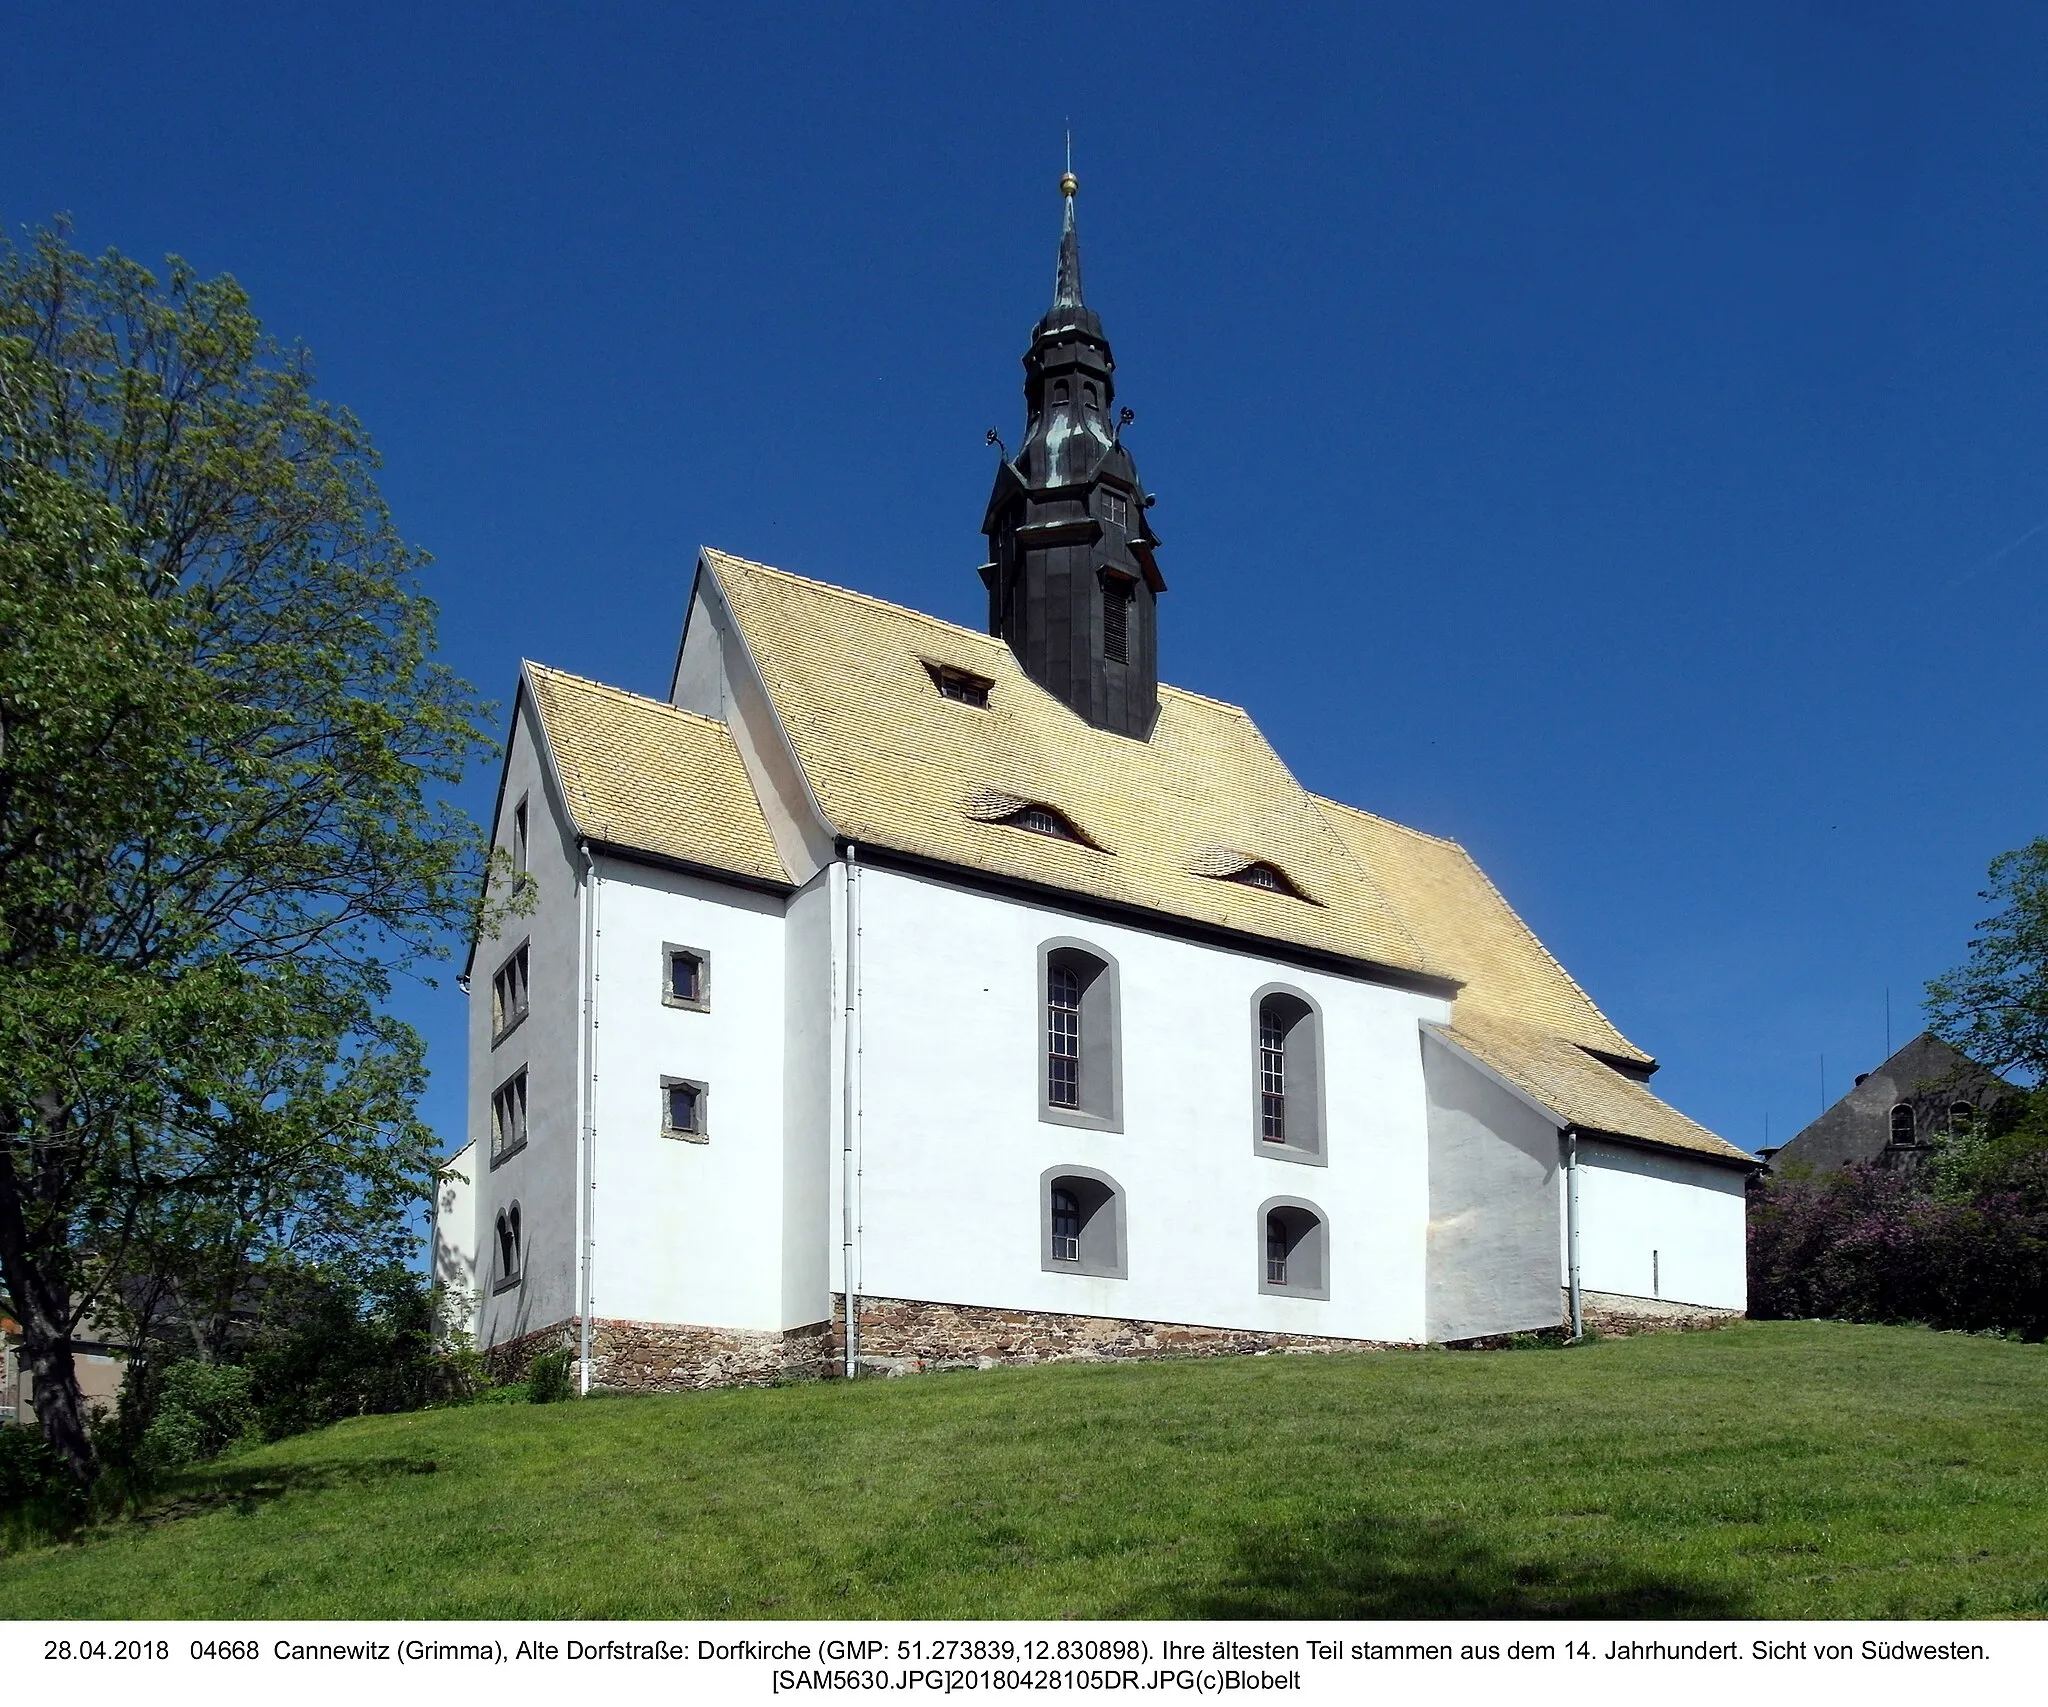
{"points": [[661, 1357], [1616, 1315], [901, 1336], [671, 1357]]}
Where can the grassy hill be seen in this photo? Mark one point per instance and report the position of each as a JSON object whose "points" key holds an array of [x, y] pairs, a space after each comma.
{"points": [[1786, 1470]]}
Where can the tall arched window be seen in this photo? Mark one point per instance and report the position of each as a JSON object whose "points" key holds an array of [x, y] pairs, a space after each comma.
{"points": [[1902, 1123], [1287, 1075], [1080, 1051], [508, 1247], [1294, 1248], [1081, 1221]]}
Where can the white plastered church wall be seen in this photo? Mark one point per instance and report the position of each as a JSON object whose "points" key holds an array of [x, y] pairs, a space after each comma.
{"points": [[953, 1149], [543, 1177], [453, 1245], [1653, 1224], [688, 1232], [1494, 1207]]}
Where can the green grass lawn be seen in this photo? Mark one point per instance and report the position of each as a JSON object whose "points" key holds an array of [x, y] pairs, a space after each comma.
{"points": [[1780, 1470]]}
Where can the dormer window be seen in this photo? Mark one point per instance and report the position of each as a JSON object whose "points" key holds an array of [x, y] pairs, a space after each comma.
{"points": [[1260, 875], [963, 686], [1116, 509], [1043, 821]]}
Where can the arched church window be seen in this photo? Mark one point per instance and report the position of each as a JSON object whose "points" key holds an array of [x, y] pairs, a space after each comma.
{"points": [[1080, 1046], [508, 1247], [1091, 399], [1293, 1248], [1081, 1217], [1287, 1068], [1060, 392], [1902, 1123], [1961, 1115]]}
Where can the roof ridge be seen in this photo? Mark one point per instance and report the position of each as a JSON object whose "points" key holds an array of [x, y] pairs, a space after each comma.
{"points": [[855, 596], [624, 693], [1391, 823]]}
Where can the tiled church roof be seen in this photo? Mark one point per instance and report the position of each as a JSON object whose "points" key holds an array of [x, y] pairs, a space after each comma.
{"points": [[641, 774], [895, 764]]}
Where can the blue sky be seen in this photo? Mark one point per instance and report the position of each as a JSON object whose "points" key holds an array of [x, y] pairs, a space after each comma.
{"points": [[1615, 436]]}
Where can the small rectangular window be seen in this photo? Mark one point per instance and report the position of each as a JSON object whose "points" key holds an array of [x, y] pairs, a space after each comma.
{"points": [[508, 1116], [685, 977], [519, 836], [684, 1109], [508, 994], [1116, 509]]}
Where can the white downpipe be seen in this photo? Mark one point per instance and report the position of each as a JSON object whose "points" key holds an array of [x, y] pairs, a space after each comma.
{"points": [[850, 1118], [586, 1195], [1571, 1226]]}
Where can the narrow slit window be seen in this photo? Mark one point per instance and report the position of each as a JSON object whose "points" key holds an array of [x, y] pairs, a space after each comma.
{"points": [[1063, 1038], [519, 836]]}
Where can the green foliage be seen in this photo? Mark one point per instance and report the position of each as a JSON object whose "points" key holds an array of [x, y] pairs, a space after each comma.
{"points": [[202, 1410], [547, 1378], [1768, 1470], [1994, 1007], [225, 749]]}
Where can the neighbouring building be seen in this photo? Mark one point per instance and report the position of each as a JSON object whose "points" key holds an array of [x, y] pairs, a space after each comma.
{"points": [[1894, 1112], [1026, 999]]}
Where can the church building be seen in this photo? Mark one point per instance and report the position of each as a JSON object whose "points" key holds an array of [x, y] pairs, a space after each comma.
{"points": [[895, 994]]}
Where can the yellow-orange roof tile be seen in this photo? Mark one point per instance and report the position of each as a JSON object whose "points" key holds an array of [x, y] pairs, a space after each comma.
{"points": [[644, 775], [895, 763]]}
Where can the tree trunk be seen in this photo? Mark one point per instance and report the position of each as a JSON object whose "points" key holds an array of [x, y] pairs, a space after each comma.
{"points": [[42, 1302]]}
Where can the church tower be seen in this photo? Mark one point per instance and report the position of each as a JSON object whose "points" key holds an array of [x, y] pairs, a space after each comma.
{"points": [[1072, 584]]}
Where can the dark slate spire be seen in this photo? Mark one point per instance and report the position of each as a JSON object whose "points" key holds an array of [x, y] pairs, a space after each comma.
{"points": [[1066, 290], [1071, 579]]}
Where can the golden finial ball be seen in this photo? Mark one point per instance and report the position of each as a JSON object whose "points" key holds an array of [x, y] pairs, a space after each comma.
{"points": [[1069, 183]]}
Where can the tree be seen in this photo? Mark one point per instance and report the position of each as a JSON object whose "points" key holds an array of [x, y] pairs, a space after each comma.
{"points": [[1994, 1007], [225, 748]]}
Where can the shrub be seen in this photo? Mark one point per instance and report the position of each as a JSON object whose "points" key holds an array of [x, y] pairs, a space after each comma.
{"points": [[201, 1410], [1872, 1244], [38, 1497], [547, 1378]]}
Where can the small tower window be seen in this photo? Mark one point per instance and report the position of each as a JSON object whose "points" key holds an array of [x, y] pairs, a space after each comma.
{"points": [[1902, 1123], [683, 1109], [1091, 399], [508, 1117], [1116, 509], [1116, 627], [1060, 393]]}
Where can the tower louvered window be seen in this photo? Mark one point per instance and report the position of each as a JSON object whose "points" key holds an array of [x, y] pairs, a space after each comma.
{"points": [[1115, 625], [1063, 1038]]}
